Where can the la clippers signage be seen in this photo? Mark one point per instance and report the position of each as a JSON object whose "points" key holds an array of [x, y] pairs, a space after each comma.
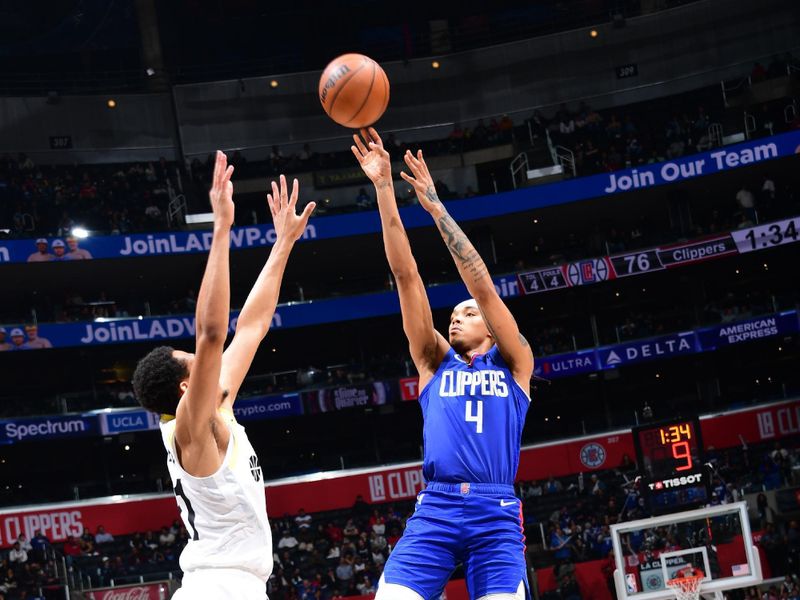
{"points": [[338, 490], [149, 591]]}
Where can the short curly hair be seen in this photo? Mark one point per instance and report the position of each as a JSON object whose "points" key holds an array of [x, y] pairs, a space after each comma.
{"points": [[157, 380]]}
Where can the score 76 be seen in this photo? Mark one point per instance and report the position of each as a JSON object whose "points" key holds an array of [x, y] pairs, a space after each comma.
{"points": [[636, 263]]}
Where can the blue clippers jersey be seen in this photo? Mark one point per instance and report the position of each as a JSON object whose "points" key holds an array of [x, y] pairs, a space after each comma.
{"points": [[473, 418]]}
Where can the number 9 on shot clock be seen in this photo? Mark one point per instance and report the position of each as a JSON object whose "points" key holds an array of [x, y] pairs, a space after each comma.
{"points": [[671, 462]]}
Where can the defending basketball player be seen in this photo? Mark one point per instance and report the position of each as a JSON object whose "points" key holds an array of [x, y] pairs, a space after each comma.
{"points": [[475, 395], [215, 472]]}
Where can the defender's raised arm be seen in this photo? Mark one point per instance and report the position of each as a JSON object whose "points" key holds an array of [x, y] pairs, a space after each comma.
{"points": [[201, 397], [256, 315]]}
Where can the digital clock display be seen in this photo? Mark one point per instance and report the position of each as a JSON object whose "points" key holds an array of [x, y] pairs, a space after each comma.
{"points": [[670, 458], [669, 449]]}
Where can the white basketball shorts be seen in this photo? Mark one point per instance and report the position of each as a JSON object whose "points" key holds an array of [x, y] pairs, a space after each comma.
{"points": [[221, 584]]}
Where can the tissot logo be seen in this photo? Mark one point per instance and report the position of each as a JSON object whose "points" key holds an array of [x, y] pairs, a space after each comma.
{"points": [[255, 469]]}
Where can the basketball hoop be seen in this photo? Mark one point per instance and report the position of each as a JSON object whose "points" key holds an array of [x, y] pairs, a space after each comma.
{"points": [[687, 583]]}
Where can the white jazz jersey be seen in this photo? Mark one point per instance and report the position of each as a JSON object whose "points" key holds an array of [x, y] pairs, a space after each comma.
{"points": [[224, 513]]}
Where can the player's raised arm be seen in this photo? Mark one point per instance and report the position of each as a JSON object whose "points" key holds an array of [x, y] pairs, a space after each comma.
{"points": [[256, 315], [426, 345], [501, 324], [199, 404]]}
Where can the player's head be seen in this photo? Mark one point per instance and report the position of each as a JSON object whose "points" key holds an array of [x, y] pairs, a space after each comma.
{"points": [[467, 329], [72, 242], [41, 245], [161, 378]]}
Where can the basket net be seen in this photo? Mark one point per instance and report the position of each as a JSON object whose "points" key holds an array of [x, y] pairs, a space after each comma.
{"points": [[687, 584]]}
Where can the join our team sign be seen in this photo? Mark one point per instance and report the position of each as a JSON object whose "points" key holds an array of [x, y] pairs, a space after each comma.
{"points": [[571, 190]]}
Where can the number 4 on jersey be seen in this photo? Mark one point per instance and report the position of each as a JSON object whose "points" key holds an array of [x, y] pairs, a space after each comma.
{"points": [[477, 418]]}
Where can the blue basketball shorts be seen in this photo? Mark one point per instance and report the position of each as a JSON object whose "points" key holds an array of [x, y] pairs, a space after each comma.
{"points": [[479, 525]]}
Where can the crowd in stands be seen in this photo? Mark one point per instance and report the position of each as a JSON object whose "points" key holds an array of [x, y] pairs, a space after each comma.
{"points": [[756, 201], [53, 200], [27, 568], [40, 200], [618, 138], [342, 553]]}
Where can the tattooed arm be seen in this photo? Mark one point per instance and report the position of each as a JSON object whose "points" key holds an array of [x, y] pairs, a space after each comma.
{"points": [[501, 324]]}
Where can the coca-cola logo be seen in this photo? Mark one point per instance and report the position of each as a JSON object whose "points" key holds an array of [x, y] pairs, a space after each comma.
{"points": [[142, 592]]}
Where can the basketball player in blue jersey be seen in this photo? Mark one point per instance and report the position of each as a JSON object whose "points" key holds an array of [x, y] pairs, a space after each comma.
{"points": [[475, 395]]}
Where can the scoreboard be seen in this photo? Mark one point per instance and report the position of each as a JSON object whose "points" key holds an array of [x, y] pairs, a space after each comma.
{"points": [[671, 461]]}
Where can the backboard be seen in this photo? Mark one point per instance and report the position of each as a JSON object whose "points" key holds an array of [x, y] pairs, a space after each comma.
{"points": [[715, 539]]}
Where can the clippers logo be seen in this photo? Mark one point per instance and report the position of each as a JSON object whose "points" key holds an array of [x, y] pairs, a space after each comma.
{"points": [[593, 455], [587, 271], [255, 469], [654, 582]]}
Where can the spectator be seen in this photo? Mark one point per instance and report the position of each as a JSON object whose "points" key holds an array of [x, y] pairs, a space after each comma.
{"points": [[377, 522], [366, 586], [553, 486], [166, 537], [59, 249], [360, 508], [34, 341], [747, 202], [17, 555], [287, 541], [4, 345], [72, 548], [302, 520], [598, 488], [350, 529], [9, 582], [18, 340], [41, 254], [103, 537], [559, 543], [40, 544], [86, 538], [24, 543], [334, 533], [75, 252], [344, 572]]}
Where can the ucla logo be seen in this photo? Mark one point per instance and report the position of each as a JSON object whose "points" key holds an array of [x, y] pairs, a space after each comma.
{"points": [[255, 469], [593, 455]]}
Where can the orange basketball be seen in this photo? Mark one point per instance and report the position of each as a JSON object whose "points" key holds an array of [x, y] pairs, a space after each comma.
{"points": [[354, 90]]}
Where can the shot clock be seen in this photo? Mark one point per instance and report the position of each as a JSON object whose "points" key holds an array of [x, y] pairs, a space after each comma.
{"points": [[670, 458]]}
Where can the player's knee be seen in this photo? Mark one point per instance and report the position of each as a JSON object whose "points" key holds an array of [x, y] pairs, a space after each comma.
{"points": [[518, 595], [395, 591]]}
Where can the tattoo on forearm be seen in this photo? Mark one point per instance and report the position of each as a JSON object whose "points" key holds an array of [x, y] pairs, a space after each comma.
{"points": [[461, 248], [383, 184], [431, 195]]}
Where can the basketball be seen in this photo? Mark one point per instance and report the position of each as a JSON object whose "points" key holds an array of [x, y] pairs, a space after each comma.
{"points": [[354, 90]]}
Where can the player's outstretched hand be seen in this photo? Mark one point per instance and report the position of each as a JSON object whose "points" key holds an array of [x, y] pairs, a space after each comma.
{"points": [[421, 181], [282, 205], [221, 193], [372, 156]]}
